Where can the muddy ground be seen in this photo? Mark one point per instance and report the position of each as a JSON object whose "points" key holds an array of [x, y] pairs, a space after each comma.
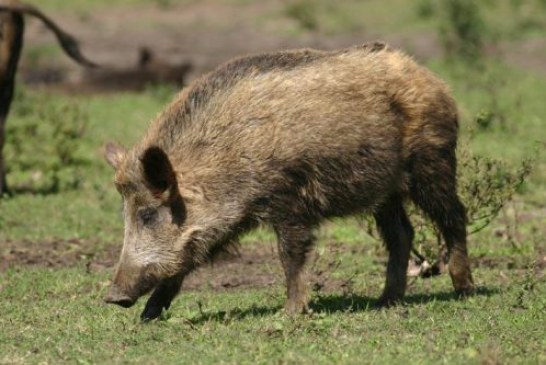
{"points": [[254, 266]]}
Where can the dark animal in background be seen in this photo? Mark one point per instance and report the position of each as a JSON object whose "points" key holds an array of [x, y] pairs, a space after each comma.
{"points": [[11, 42], [289, 139], [149, 70]]}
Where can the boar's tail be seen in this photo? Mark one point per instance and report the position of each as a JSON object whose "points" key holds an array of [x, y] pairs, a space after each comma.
{"points": [[67, 42]]}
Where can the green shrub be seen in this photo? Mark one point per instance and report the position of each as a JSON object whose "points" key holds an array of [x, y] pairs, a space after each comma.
{"points": [[462, 29], [304, 12], [42, 142], [425, 9], [486, 184]]}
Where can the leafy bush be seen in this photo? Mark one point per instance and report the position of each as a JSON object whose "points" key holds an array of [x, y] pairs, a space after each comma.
{"points": [[486, 185], [462, 29], [42, 142], [425, 9], [304, 12]]}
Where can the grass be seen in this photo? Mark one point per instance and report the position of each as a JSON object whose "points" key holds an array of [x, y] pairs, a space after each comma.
{"points": [[94, 208], [53, 316], [56, 315]]}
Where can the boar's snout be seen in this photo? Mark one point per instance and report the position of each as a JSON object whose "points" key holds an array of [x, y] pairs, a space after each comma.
{"points": [[117, 296]]}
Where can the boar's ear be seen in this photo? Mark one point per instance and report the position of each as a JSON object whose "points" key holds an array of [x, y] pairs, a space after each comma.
{"points": [[158, 171], [114, 154]]}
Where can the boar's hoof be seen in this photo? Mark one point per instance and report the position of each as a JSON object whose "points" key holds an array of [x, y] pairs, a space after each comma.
{"points": [[464, 285], [295, 308], [151, 312], [387, 301], [465, 292]]}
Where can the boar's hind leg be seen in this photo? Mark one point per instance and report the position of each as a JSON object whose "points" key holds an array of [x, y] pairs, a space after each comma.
{"points": [[396, 230], [294, 244], [433, 189], [161, 298]]}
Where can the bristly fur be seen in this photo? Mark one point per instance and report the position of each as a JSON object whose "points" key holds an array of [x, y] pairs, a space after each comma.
{"points": [[292, 138], [228, 75]]}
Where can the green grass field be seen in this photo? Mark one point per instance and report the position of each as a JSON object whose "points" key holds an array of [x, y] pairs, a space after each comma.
{"points": [[61, 231]]}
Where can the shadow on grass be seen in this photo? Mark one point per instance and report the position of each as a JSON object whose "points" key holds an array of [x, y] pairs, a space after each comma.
{"points": [[357, 303], [235, 314], [337, 303]]}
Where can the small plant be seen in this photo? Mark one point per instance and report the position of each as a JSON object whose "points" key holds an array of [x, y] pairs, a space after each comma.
{"points": [[425, 9], [494, 113], [462, 29], [164, 4], [42, 144], [304, 12], [486, 185]]}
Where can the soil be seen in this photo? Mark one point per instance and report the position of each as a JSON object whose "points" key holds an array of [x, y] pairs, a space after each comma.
{"points": [[254, 266]]}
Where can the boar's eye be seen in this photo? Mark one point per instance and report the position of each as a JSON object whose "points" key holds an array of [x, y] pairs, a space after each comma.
{"points": [[147, 216]]}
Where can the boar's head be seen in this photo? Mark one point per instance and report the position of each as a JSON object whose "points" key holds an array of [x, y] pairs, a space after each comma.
{"points": [[154, 215]]}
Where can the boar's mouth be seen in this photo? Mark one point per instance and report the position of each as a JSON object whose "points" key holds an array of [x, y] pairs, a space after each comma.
{"points": [[126, 296]]}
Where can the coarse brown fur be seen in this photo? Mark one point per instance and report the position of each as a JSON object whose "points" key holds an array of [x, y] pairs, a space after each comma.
{"points": [[11, 42], [289, 139]]}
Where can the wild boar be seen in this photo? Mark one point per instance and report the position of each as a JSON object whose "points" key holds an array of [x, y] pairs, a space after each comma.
{"points": [[289, 139]]}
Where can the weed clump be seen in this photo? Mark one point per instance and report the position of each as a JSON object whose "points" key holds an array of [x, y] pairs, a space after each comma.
{"points": [[462, 30], [304, 12]]}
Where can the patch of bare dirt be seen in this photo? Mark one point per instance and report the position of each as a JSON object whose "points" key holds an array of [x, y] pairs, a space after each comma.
{"points": [[254, 266], [57, 253], [528, 54]]}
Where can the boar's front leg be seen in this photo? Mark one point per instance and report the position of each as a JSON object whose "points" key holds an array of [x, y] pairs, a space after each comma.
{"points": [[294, 243], [162, 297]]}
